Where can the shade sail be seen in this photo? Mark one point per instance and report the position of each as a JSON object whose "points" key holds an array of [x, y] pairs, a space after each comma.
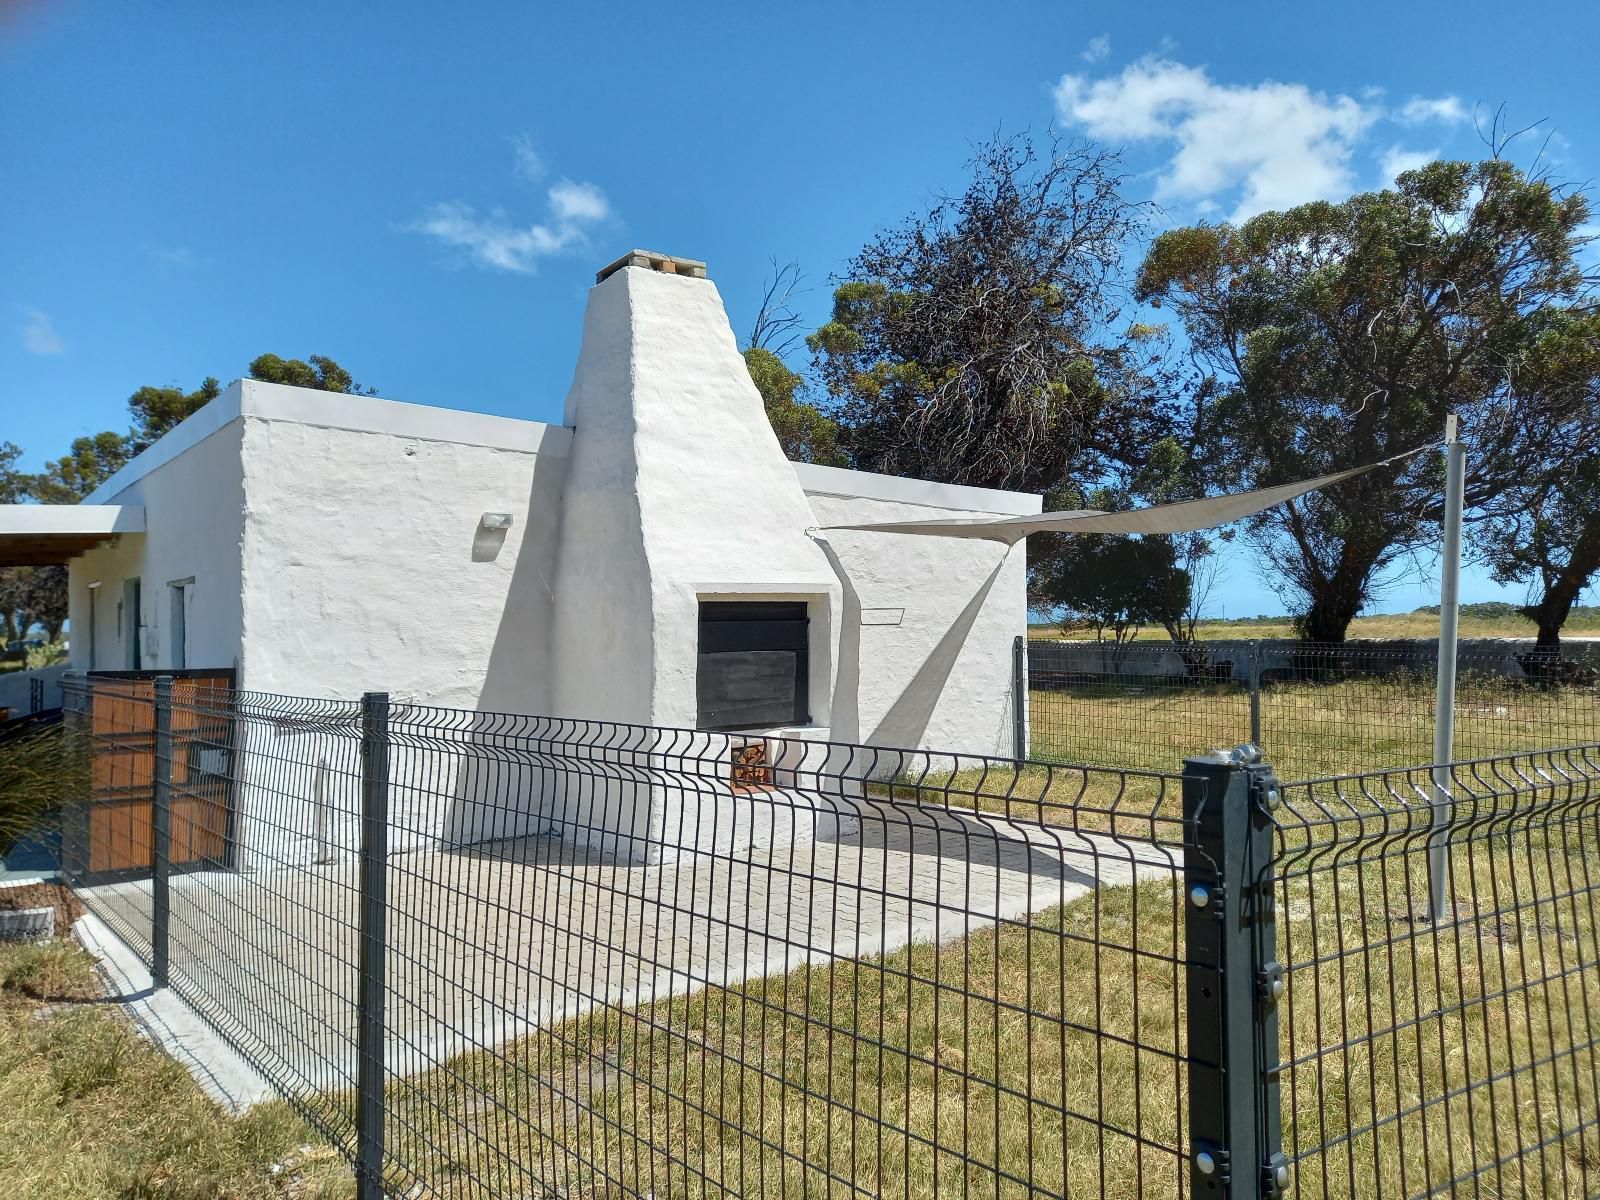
{"points": [[1184, 517], [35, 535]]}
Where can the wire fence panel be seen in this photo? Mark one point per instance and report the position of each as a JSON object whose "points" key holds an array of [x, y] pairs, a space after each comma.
{"points": [[260, 940], [1454, 1056], [621, 960], [1315, 709], [494, 955]]}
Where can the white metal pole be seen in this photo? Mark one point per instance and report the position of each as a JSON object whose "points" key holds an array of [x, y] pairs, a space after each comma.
{"points": [[1444, 709]]}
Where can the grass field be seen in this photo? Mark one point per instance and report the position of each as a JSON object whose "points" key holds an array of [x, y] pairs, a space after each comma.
{"points": [[1383, 625], [91, 1111], [1307, 729], [1045, 1058]]}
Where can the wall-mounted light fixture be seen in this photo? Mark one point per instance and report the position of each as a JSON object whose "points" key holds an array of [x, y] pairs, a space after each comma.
{"points": [[489, 536]]}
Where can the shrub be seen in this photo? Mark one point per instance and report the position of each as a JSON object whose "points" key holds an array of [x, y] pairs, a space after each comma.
{"points": [[41, 767]]}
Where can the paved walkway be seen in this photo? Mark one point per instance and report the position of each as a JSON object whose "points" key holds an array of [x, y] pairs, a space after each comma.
{"points": [[487, 943]]}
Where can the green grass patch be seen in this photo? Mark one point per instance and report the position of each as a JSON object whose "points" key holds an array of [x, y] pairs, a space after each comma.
{"points": [[1044, 1056]]}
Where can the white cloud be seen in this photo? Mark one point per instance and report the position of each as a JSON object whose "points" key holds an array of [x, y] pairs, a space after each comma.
{"points": [[493, 239], [1420, 110], [39, 335], [1272, 144], [578, 202], [1397, 159], [1097, 49]]}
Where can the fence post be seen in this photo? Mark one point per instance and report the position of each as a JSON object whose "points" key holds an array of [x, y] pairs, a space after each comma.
{"points": [[161, 837], [1233, 979], [1255, 692], [370, 980], [1019, 698]]}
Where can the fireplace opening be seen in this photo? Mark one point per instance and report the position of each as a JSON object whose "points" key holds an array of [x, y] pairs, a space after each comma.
{"points": [[753, 665]]}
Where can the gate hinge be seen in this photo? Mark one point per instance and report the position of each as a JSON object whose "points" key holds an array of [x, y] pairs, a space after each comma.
{"points": [[1275, 1176]]}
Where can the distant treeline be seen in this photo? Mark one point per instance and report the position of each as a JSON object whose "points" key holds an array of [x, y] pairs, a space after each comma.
{"points": [[1492, 610]]}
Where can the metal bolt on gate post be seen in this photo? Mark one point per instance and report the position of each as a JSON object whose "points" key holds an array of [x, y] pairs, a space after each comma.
{"points": [[161, 838], [370, 980], [1234, 982]]}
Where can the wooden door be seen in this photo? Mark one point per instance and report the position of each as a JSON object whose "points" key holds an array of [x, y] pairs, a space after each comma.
{"points": [[121, 724]]}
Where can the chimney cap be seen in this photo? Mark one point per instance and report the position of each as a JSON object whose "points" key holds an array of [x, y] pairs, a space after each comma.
{"points": [[667, 264]]}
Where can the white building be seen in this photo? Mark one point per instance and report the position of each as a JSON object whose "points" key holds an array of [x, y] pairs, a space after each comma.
{"points": [[654, 559]]}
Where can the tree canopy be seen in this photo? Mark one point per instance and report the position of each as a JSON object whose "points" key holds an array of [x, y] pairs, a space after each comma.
{"points": [[1334, 335], [38, 595], [805, 432], [1543, 530], [977, 343]]}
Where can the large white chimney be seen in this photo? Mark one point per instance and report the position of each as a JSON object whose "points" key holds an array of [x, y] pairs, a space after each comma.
{"points": [[677, 492]]}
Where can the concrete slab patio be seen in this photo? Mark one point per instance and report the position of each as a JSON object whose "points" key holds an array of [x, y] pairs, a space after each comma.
{"points": [[490, 942]]}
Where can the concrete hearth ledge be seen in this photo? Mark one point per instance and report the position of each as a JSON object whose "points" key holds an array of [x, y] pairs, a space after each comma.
{"points": [[164, 1018]]}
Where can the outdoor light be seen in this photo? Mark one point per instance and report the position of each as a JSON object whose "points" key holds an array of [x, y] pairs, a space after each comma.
{"points": [[495, 520]]}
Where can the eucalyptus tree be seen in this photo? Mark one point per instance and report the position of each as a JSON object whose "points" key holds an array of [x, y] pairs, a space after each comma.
{"points": [[1334, 335]]}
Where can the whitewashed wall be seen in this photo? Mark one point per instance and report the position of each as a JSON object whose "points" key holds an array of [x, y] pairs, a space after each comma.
{"points": [[365, 567], [925, 631], [194, 505], [16, 688]]}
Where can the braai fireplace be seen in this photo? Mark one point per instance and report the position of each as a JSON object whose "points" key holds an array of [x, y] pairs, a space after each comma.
{"points": [[753, 664]]}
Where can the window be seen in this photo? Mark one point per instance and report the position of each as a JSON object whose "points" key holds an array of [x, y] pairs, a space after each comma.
{"points": [[753, 664]]}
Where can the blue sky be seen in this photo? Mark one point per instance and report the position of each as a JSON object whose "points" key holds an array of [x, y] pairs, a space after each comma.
{"points": [[424, 193]]}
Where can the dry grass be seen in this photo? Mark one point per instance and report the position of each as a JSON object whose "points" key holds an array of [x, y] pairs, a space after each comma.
{"points": [[91, 1111], [1307, 729], [1044, 1058]]}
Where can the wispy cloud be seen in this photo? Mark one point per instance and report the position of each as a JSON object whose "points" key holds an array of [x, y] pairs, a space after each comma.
{"points": [[495, 240], [529, 165], [39, 334], [1271, 144], [1098, 48], [172, 256], [1396, 160], [1442, 110]]}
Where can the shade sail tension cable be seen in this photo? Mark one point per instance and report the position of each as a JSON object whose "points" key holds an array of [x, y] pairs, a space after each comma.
{"points": [[1186, 516]]}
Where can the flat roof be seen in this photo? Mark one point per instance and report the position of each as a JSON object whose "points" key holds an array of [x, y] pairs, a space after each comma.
{"points": [[426, 422], [46, 535], [338, 410]]}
